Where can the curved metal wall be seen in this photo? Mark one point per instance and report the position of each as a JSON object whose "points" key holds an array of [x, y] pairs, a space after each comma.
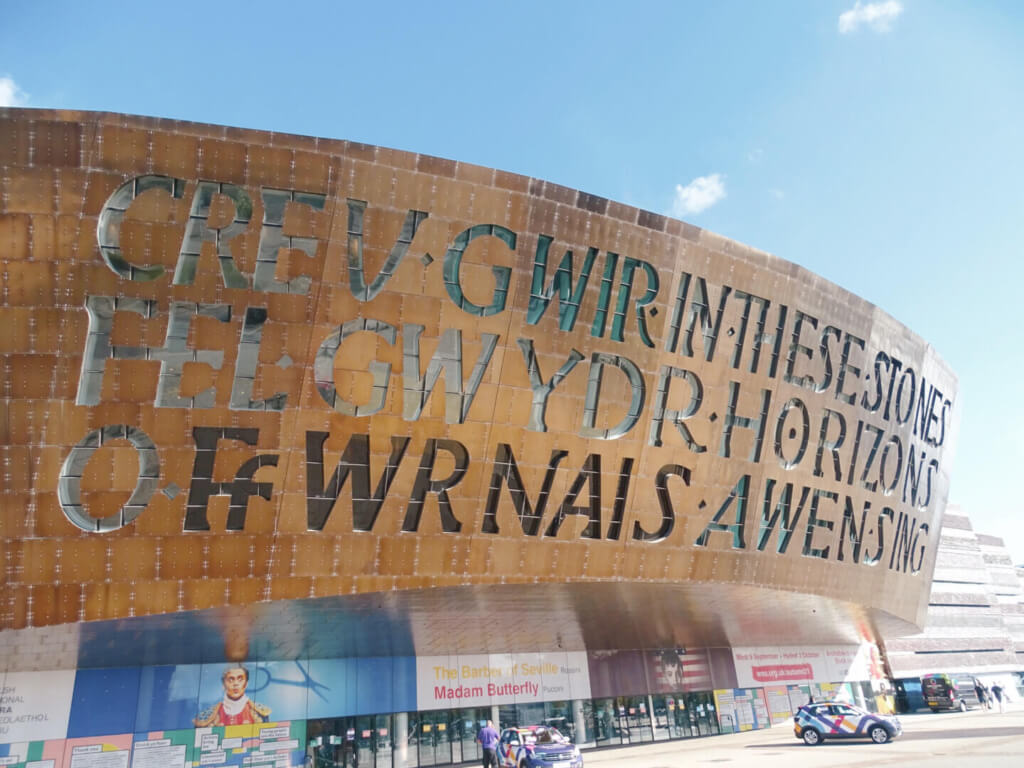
{"points": [[245, 367]]}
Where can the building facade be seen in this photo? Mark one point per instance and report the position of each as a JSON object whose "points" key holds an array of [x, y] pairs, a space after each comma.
{"points": [[975, 620], [387, 444]]}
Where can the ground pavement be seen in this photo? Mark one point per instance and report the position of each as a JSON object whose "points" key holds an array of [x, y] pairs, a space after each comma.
{"points": [[976, 739]]}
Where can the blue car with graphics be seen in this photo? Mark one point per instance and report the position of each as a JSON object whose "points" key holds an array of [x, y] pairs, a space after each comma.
{"points": [[837, 720], [537, 746]]}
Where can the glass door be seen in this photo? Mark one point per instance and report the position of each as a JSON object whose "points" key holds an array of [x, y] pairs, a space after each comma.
{"points": [[606, 723], [660, 717], [468, 723], [373, 741], [703, 718], [435, 738], [678, 717], [638, 720]]}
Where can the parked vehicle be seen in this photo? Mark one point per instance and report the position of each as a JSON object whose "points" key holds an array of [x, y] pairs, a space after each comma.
{"points": [[537, 746], [814, 723], [950, 692]]}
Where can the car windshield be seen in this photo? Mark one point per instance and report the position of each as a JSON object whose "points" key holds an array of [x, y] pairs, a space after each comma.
{"points": [[544, 736]]}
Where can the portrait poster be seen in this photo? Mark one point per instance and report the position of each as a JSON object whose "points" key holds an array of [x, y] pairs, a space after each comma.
{"points": [[677, 670], [252, 693]]}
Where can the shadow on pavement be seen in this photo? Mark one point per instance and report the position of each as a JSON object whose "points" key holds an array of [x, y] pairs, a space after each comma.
{"points": [[990, 733], [964, 734]]}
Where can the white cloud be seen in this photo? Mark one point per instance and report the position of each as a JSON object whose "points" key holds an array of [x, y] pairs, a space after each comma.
{"points": [[10, 94], [699, 195], [878, 16]]}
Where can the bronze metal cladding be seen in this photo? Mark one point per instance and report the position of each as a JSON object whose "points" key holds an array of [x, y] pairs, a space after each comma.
{"points": [[242, 367]]}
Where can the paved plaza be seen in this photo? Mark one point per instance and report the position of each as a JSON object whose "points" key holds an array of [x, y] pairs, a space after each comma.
{"points": [[947, 740]]}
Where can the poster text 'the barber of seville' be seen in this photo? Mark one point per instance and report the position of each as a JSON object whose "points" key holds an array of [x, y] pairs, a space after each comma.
{"points": [[792, 390]]}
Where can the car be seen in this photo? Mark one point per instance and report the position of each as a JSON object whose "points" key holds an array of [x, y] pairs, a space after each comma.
{"points": [[537, 746], [837, 720], [950, 692]]}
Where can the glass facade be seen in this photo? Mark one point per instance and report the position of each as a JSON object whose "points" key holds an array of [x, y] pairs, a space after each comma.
{"points": [[378, 712], [444, 737]]}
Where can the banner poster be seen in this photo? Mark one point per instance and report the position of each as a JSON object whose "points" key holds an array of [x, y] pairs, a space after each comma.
{"points": [[168, 698], [849, 662], [767, 665], [163, 749], [741, 709], [825, 691], [798, 696], [677, 670], [98, 751], [744, 709], [760, 708], [35, 706], [360, 686], [248, 694], [272, 745], [32, 754], [445, 682], [779, 707], [616, 673], [725, 702]]}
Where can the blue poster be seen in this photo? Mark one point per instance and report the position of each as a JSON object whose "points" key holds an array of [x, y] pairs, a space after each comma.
{"points": [[104, 702], [168, 697]]}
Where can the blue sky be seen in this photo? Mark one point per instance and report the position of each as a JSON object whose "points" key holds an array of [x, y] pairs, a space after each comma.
{"points": [[875, 143]]}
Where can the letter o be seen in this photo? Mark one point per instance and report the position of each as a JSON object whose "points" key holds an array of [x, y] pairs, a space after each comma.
{"points": [[904, 418], [805, 433], [69, 487], [888, 488]]}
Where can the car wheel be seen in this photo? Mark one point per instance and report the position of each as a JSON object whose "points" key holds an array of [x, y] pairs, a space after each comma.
{"points": [[811, 737], [878, 734], [963, 705]]}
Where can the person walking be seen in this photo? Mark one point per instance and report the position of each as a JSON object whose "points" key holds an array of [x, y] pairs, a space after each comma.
{"points": [[997, 691], [982, 694], [488, 738]]}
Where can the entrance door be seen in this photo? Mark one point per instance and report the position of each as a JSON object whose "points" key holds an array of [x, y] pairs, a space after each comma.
{"points": [[703, 718], [633, 709], [435, 738], [366, 741], [678, 717], [606, 723], [467, 723], [661, 716], [373, 741]]}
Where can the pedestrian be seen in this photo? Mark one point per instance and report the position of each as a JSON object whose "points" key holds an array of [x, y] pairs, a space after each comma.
{"points": [[488, 738], [997, 691], [982, 695]]}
